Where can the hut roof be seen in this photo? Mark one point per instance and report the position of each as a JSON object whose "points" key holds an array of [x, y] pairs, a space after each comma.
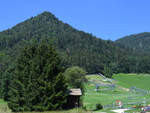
{"points": [[75, 92]]}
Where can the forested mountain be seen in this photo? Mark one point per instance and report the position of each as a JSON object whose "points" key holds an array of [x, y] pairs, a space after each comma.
{"points": [[75, 47], [139, 42]]}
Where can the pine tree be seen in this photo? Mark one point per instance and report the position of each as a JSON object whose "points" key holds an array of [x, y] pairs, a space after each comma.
{"points": [[38, 83]]}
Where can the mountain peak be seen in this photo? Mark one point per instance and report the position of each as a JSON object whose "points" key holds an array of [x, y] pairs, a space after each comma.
{"points": [[47, 15], [74, 47]]}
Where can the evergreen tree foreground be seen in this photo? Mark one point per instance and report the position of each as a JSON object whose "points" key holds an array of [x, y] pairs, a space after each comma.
{"points": [[38, 83]]}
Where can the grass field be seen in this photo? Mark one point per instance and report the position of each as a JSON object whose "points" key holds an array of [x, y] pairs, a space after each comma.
{"points": [[106, 97], [3, 107], [92, 97], [121, 92], [138, 80], [2, 102]]}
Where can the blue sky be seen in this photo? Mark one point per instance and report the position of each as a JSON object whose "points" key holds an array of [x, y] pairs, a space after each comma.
{"points": [[106, 19]]}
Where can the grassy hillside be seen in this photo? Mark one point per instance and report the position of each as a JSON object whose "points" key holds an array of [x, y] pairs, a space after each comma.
{"points": [[104, 97], [129, 80], [121, 92]]}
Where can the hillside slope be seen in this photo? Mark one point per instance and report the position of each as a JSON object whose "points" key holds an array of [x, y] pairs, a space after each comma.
{"points": [[138, 42], [123, 91], [130, 80], [75, 47]]}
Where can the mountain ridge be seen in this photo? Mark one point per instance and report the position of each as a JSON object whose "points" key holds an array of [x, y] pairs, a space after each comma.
{"points": [[137, 42], [76, 48]]}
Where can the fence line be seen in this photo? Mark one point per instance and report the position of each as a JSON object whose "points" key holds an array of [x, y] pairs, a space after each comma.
{"points": [[138, 90]]}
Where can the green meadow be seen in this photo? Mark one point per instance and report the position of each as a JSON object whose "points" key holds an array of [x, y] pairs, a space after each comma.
{"points": [[123, 82], [128, 80]]}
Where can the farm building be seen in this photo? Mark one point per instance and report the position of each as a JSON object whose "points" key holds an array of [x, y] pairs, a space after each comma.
{"points": [[73, 99]]}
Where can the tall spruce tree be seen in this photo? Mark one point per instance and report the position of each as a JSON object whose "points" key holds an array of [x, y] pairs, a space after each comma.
{"points": [[38, 84]]}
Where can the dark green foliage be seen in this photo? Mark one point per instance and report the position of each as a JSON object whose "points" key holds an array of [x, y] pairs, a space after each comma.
{"points": [[107, 72], [5, 75], [139, 42], [6, 81], [99, 106], [38, 84]]}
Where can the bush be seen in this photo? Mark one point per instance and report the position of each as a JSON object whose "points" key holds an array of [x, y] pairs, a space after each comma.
{"points": [[84, 108], [138, 106], [99, 106], [75, 77]]}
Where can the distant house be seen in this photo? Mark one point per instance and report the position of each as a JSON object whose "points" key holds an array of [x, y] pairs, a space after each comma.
{"points": [[73, 99]]}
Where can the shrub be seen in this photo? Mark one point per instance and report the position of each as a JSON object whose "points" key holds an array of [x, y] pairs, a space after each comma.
{"points": [[75, 76], [99, 106]]}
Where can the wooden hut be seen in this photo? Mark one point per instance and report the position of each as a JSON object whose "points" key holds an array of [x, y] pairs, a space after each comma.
{"points": [[73, 99]]}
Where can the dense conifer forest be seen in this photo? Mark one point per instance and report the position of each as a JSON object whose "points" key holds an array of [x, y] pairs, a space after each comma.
{"points": [[138, 42], [75, 47]]}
